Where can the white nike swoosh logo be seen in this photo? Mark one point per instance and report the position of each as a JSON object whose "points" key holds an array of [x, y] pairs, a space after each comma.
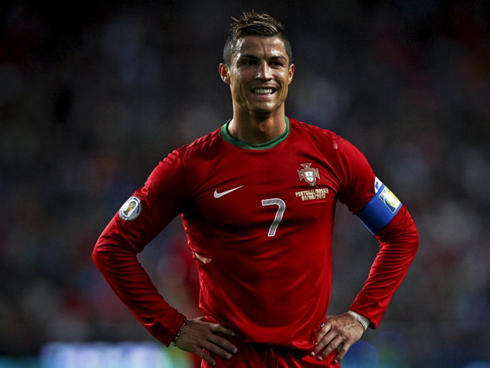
{"points": [[219, 195]]}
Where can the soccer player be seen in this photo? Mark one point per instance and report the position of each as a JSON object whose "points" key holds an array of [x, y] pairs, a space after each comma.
{"points": [[257, 199]]}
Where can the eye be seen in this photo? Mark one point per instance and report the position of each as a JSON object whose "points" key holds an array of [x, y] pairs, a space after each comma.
{"points": [[277, 63], [247, 61]]}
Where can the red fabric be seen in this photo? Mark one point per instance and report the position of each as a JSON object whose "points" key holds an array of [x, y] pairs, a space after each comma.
{"points": [[133, 286], [399, 242], [255, 356], [271, 290], [259, 355]]}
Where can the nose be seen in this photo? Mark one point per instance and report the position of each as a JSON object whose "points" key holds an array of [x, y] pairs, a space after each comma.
{"points": [[263, 72]]}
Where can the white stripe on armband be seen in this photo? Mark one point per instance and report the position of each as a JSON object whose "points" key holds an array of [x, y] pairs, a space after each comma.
{"points": [[364, 321], [381, 209]]}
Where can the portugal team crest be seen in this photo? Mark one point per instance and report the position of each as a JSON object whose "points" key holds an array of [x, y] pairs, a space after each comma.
{"points": [[308, 174]]}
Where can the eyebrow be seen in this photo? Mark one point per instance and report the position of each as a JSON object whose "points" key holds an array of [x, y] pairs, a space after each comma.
{"points": [[251, 56]]}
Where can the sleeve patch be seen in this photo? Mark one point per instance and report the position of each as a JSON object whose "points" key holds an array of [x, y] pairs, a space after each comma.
{"points": [[131, 209], [381, 209], [389, 199]]}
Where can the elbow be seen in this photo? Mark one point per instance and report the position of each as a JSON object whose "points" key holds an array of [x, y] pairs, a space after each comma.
{"points": [[108, 250], [101, 252], [97, 253], [411, 237]]}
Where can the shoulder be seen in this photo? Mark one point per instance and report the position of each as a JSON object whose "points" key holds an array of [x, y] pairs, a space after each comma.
{"points": [[323, 138], [202, 148], [192, 156], [204, 143], [332, 146]]}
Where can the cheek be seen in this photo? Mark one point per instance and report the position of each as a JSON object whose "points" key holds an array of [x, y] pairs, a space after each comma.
{"points": [[284, 78], [285, 86], [238, 85], [239, 92]]}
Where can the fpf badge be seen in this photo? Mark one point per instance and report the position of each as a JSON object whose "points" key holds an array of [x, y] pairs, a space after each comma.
{"points": [[308, 174]]}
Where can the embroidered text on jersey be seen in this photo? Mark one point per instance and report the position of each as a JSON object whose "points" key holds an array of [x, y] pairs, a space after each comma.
{"points": [[309, 174], [312, 194], [219, 195]]}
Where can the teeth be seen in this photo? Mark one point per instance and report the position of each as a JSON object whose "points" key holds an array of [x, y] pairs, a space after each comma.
{"points": [[262, 91]]}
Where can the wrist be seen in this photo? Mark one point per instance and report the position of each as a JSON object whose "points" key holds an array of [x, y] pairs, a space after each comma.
{"points": [[174, 341], [364, 321]]}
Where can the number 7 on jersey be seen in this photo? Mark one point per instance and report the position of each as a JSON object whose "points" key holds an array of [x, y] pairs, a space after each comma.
{"points": [[281, 207]]}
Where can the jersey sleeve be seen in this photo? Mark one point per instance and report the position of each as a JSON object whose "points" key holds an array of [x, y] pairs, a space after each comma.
{"points": [[390, 222], [399, 242], [357, 177], [138, 221]]}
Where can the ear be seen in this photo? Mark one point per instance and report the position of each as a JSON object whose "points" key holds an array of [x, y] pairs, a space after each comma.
{"points": [[292, 68], [224, 73]]}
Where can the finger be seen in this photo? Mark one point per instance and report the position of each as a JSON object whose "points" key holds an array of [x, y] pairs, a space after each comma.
{"points": [[223, 343], [213, 348], [342, 352], [324, 330], [330, 347], [204, 356], [324, 342], [215, 327]]}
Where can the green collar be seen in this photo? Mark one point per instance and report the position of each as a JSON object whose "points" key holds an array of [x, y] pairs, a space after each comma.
{"points": [[261, 146]]}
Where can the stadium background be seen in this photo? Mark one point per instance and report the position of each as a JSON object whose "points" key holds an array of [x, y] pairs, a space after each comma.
{"points": [[93, 96]]}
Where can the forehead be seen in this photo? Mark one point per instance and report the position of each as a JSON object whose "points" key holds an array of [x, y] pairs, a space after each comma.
{"points": [[260, 46]]}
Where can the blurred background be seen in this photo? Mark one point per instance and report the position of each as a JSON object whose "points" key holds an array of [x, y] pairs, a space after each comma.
{"points": [[93, 96]]}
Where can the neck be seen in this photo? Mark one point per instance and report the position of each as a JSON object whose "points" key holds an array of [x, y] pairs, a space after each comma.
{"points": [[257, 129]]}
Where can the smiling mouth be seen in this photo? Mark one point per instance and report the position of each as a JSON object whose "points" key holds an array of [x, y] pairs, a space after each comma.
{"points": [[263, 91]]}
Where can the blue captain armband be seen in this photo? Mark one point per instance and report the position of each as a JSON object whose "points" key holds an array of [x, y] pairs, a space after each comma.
{"points": [[381, 209]]}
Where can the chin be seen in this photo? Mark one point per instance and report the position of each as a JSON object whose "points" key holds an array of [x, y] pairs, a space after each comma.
{"points": [[265, 108], [263, 112]]}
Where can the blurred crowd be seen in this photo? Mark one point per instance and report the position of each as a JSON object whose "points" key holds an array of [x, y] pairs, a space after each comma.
{"points": [[92, 98]]}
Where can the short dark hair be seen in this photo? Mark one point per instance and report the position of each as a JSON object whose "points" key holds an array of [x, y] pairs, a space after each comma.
{"points": [[254, 24]]}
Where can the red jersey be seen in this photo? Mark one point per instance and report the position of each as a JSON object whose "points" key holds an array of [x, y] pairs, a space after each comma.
{"points": [[260, 221]]}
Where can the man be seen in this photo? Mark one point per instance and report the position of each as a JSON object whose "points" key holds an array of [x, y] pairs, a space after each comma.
{"points": [[257, 199]]}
